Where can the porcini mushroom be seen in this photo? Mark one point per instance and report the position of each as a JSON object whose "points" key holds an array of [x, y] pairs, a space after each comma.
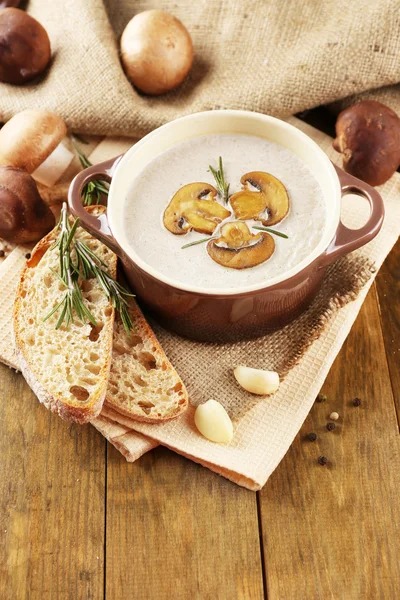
{"points": [[32, 140], [194, 206], [368, 136], [238, 248], [269, 203], [156, 51], [24, 217], [8, 3], [24, 46]]}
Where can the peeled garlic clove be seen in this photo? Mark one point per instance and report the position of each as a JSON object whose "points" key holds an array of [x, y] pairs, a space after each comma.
{"points": [[257, 381], [212, 420]]}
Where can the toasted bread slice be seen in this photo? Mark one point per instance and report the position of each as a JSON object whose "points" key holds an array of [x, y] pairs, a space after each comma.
{"points": [[66, 368], [143, 384]]}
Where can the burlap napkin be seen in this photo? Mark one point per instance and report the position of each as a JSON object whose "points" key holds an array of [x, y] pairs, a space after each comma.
{"points": [[274, 57], [302, 352]]}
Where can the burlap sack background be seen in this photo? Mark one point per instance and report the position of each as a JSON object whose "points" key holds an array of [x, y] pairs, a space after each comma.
{"points": [[277, 57]]}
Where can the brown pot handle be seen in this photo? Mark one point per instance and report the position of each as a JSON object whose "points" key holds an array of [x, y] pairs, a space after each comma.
{"points": [[346, 240], [97, 226]]}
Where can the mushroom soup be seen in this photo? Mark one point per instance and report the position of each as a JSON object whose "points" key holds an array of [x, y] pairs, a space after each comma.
{"points": [[177, 200]]}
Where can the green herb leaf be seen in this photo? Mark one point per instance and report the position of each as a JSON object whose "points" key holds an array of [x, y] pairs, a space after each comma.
{"points": [[219, 176], [93, 191], [87, 265], [197, 242], [80, 139], [279, 233]]}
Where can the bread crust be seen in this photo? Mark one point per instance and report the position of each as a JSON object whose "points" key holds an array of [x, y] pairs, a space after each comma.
{"points": [[70, 412], [141, 325]]}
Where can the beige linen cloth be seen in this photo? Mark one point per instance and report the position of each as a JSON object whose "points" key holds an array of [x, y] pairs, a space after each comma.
{"points": [[276, 57], [303, 353]]}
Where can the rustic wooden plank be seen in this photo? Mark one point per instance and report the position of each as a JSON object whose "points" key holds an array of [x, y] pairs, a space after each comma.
{"points": [[333, 531], [388, 288], [176, 530], [52, 500]]}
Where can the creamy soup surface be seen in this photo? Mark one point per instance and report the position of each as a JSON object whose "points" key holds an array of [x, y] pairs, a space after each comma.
{"points": [[188, 162]]}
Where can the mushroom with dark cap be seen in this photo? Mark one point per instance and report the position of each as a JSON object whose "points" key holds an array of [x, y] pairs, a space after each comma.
{"points": [[194, 206], [24, 216], [24, 47], [238, 248], [368, 136], [269, 203]]}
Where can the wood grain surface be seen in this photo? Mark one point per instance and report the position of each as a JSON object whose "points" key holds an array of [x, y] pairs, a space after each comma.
{"points": [[52, 490], [78, 522], [176, 530], [344, 536]]}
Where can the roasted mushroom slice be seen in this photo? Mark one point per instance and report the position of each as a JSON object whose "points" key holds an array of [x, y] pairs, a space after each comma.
{"points": [[194, 206], [238, 248], [270, 204]]}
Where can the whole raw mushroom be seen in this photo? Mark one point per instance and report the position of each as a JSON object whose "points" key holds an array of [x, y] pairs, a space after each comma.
{"points": [[24, 47], [8, 3], [31, 140], [157, 51], [368, 136], [24, 216]]}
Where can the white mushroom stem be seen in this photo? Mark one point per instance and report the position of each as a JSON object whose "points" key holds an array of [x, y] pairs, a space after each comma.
{"points": [[54, 195], [50, 171]]}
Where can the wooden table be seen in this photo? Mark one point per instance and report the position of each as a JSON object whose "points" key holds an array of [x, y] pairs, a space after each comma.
{"points": [[78, 522]]}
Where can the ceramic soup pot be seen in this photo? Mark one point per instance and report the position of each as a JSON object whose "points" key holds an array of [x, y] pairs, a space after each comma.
{"points": [[244, 312]]}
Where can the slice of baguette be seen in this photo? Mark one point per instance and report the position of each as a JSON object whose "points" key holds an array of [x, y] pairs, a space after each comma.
{"points": [[66, 368], [143, 384]]}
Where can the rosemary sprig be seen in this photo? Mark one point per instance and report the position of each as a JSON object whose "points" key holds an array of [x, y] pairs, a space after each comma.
{"points": [[86, 265], [93, 191], [80, 139], [219, 176], [274, 231], [197, 242], [90, 265]]}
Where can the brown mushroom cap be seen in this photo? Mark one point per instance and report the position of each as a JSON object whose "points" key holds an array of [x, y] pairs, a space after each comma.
{"points": [[156, 51], [238, 248], [24, 46], [194, 206], [8, 3], [30, 137], [270, 204], [368, 136], [24, 217]]}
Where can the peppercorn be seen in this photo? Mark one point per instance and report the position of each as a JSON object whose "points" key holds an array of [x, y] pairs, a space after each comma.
{"points": [[322, 460], [312, 436], [321, 398], [334, 416], [356, 401], [330, 426], [27, 255], [2, 253]]}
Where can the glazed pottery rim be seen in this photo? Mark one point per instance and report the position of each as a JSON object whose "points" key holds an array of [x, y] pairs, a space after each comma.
{"points": [[124, 168]]}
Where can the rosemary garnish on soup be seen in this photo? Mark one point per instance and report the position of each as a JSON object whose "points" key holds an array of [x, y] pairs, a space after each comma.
{"points": [[219, 176]]}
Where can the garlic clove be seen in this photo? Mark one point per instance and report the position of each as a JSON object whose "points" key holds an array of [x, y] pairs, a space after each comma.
{"points": [[50, 171], [213, 422], [257, 381]]}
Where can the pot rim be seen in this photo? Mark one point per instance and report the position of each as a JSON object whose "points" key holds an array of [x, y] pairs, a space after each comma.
{"points": [[287, 129]]}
